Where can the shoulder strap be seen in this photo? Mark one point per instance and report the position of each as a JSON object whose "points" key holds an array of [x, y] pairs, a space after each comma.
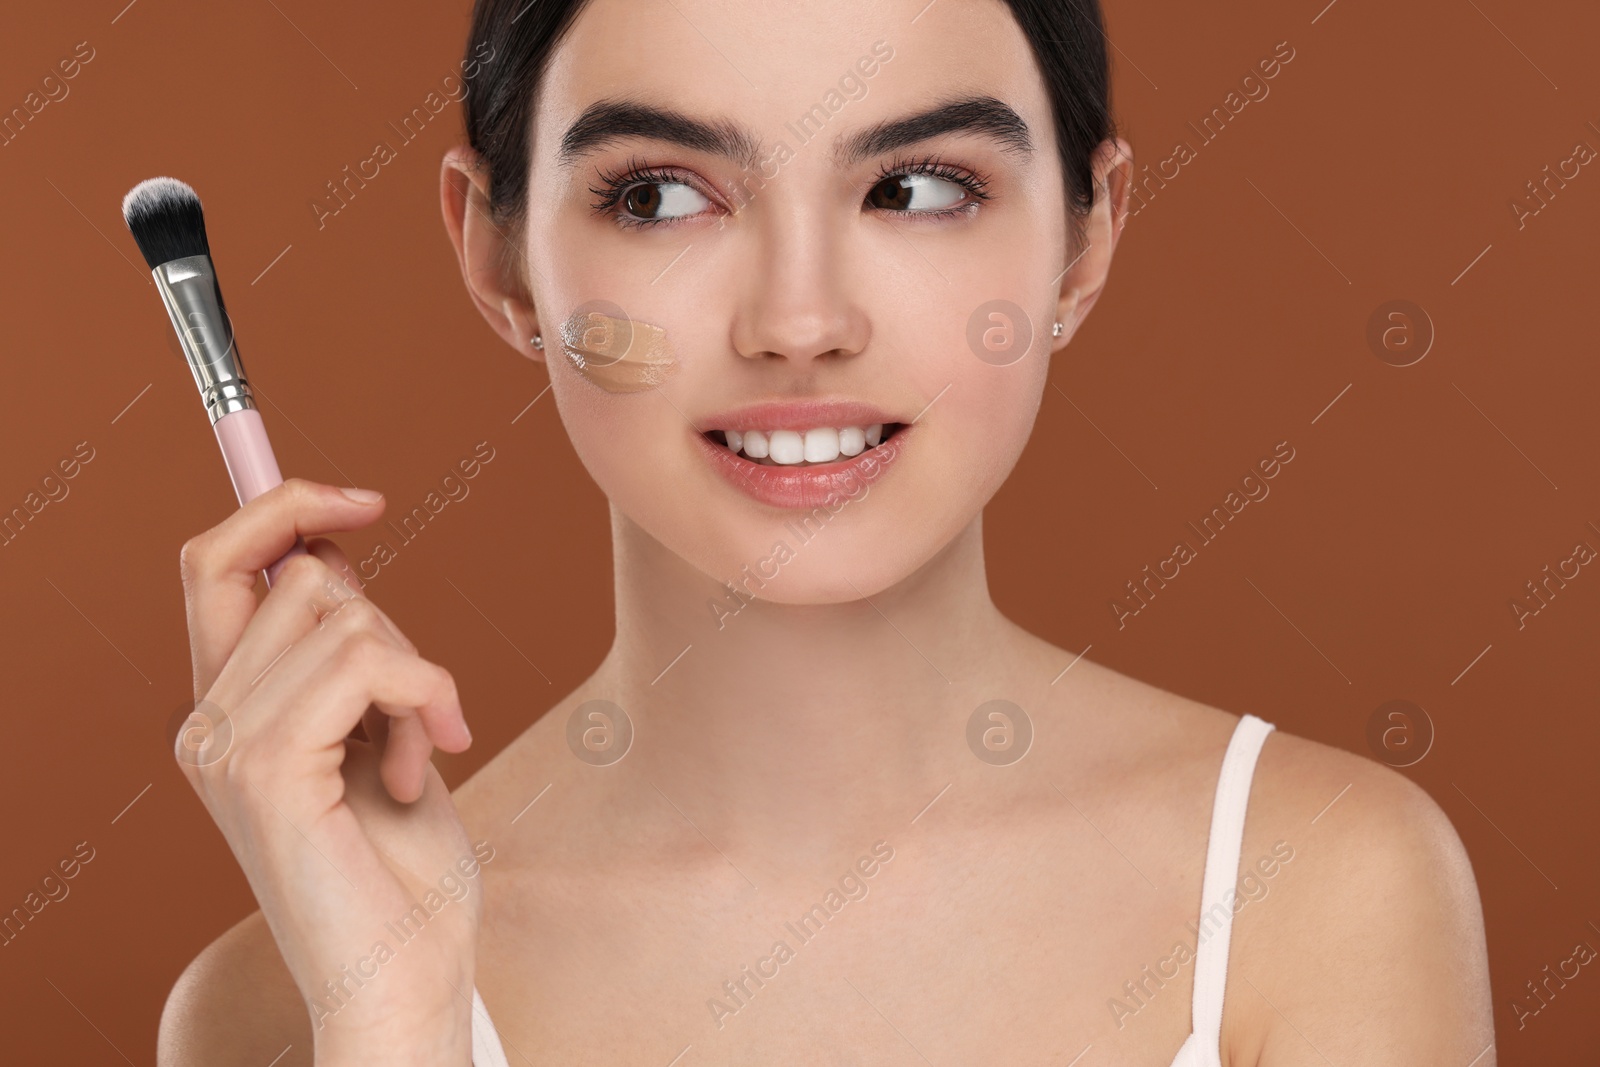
{"points": [[486, 1048], [1220, 882]]}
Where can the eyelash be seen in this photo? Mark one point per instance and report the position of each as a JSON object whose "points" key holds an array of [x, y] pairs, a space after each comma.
{"points": [[976, 185], [615, 184]]}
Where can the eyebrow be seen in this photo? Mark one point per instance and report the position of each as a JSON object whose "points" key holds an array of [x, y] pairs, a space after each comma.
{"points": [[608, 121]]}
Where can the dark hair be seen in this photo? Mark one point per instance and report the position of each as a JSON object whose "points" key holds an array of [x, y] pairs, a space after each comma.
{"points": [[1067, 38]]}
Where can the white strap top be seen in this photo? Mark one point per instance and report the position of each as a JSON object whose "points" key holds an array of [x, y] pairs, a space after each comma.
{"points": [[1203, 1047], [486, 1050]]}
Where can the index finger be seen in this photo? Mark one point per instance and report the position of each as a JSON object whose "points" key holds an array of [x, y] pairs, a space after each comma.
{"points": [[219, 566]]}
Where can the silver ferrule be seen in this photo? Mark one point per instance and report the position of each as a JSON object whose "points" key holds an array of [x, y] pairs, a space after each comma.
{"points": [[194, 303]]}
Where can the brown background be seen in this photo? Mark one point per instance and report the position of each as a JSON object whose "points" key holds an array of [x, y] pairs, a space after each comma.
{"points": [[1382, 163]]}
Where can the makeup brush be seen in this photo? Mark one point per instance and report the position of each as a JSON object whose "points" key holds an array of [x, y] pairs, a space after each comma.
{"points": [[166, 221]]}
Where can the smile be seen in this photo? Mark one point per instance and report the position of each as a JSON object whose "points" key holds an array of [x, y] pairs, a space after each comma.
{"points": [[804, 448], [805, 483], [803, 456]]}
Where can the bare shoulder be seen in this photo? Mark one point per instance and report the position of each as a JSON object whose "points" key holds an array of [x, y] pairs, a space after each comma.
{"points": [[1370, 947], [1358, 932], [236, 1004]]}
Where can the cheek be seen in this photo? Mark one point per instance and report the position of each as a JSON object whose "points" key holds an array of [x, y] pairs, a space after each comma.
{"points": [[988, 429], [987, 364], [640, 452], [618, 437]]}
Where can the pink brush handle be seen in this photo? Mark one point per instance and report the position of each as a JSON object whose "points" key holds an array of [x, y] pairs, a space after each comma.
{"points": [[252, 467]]}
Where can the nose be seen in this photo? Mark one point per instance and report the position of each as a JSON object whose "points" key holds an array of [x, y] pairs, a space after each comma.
{"points": [[799, 302]]}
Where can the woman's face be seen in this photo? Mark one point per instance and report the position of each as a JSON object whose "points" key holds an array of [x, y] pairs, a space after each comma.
{"points": [[787, 260]]}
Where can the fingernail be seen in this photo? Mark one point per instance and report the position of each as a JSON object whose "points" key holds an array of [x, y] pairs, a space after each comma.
{"points": [[363, 496]]}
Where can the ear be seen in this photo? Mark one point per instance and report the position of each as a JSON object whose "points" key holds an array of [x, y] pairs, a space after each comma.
{"points": [[1085, 277], [484, 250]]}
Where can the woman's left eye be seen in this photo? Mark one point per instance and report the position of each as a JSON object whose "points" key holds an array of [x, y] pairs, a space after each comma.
{"points": [[660, 201], [915, 192]]}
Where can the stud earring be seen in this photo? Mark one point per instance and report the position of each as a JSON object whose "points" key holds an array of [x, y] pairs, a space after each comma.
{"points": [[1057, 330], [537, 340]]}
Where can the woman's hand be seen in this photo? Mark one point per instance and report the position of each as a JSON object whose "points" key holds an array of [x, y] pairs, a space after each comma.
{"points": [[340, 838]]}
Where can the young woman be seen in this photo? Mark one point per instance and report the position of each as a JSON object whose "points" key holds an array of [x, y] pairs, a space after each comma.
{"points": [[796, 272]]}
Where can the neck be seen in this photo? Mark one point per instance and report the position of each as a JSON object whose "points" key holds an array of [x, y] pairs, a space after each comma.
{"points": [[812, 724]]}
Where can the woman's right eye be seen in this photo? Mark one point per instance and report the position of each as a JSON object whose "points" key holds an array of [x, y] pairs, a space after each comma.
{"points": [[658, 201]]}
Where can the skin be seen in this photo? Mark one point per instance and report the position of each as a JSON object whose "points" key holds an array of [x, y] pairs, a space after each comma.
{"points": [[832, 713]]}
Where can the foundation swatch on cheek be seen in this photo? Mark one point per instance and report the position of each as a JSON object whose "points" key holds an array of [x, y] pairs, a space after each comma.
{"points": [[615, 352]]}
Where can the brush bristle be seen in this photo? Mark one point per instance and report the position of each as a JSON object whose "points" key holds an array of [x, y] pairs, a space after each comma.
{"points": [[165, 218]]}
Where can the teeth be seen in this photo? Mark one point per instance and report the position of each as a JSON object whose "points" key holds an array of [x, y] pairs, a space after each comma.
{"points": [[784, 446], [823, 444]]}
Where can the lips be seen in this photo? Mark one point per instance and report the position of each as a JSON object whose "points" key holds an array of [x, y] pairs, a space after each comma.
{"points": [[798, 483]]}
